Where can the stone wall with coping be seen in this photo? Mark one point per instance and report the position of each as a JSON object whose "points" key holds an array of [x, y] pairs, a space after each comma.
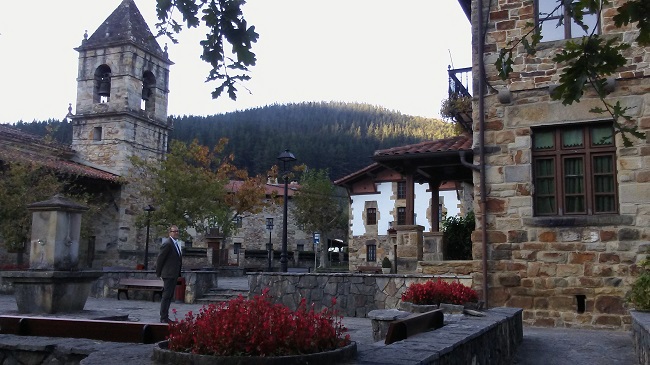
{"points": [[197, 283], [492, 339], [355, 294], [641, 335]]}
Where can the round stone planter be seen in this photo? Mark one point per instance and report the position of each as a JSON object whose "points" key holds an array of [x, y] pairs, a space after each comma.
{"points": [[161, 355], [452, 308], [417, 308], [422, 308]]}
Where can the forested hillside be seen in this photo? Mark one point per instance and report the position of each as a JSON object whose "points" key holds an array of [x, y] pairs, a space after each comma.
{"points": [[338, 136]]}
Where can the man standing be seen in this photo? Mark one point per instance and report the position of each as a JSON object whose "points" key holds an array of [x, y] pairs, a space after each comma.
{"points": [[168, 268]]}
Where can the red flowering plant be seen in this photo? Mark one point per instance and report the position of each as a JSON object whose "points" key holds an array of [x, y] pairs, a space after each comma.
{"points": [[436, 292], [257, 327]]}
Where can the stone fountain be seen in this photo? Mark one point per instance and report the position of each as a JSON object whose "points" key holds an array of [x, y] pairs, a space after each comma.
{"points": [[53, 283]]}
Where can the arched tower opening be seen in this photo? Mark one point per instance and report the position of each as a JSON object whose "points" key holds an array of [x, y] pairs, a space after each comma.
{"points": [[102, 89], [148, 103]]}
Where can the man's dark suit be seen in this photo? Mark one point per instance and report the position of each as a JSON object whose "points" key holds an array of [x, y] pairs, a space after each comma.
{"points": [[168, 267]]}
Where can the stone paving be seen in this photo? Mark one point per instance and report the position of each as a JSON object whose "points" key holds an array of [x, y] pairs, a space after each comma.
{"points": [[540, 345]]}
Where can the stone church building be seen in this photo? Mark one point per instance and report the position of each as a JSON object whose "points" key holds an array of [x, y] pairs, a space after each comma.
{"points": [[120, 112]]}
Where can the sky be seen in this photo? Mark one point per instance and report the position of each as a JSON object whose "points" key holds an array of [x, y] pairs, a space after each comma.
{"points": [[388, 53]]}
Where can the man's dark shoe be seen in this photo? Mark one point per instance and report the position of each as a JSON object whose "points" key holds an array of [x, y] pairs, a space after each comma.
{"points": [[166, 320]]}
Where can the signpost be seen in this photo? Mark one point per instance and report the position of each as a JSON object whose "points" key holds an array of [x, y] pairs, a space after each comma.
{"points": [[316, 242]]}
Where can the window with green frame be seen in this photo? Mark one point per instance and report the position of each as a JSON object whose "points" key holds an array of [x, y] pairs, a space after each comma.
{"points": [[574, 170]]}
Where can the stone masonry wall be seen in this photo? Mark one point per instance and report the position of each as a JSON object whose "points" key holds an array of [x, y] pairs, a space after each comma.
{"points": [[563, 271], [356, 294]]}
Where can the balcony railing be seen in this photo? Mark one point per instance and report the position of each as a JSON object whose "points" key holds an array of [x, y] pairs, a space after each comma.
{"points": [[460, 86], [460, 82]]}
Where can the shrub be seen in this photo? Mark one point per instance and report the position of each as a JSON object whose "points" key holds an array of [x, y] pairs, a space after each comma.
{"points": [[457, 233], [385, 263], [436, 292], [640, 294], [257, 327]]}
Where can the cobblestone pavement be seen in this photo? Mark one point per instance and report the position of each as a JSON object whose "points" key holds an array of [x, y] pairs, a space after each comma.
{"points": [[541, 346]]}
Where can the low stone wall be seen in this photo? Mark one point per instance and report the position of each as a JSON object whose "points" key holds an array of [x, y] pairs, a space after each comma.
{"points": [[492, 339], [197, 283], [356, 294], [641, 335]]}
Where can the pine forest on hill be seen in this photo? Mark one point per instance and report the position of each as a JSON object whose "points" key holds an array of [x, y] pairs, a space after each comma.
{"points": [[337, 136]]}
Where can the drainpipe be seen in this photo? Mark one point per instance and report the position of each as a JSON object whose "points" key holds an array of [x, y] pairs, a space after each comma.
{"points": [[481, 121]]}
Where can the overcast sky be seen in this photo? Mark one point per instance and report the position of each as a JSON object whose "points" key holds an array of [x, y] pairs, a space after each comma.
{"points": [[383, 52]]}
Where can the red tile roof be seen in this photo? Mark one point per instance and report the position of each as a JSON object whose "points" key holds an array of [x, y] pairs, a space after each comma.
{"points": [[357, 173], [16, 145], [458, 143]]}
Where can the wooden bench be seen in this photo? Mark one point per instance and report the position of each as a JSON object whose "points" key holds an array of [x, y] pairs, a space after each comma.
{"points": [[102, 330], [401, 329], [155, 286], [369, 269]]}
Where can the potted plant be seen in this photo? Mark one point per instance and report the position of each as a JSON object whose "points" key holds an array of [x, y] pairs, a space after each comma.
{"points": [[254, 331], [423, 297], [386, 265]]}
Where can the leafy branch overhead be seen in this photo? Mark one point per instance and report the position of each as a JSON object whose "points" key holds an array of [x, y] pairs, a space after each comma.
{"points": [[588, 60], [225, 24]]}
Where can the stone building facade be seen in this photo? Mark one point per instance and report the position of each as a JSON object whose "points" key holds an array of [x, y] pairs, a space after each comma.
{"points": [[568, 206], [377, 212], [252, 236]]}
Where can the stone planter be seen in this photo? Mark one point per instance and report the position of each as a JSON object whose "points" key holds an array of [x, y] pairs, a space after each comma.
{"points": [[417, 308], [422, 308], [452, 308], [161, 355]]}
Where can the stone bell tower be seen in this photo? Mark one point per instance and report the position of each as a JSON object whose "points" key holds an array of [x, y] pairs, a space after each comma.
{"points": [[121, 108]]}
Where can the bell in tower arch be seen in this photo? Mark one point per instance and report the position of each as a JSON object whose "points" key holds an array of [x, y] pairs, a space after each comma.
{"points": [[146, 92], [105, 85]]}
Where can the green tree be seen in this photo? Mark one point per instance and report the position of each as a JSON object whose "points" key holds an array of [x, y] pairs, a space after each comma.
{"points": [[20, 185], [320, 207], [590, 59], [197, 187]]}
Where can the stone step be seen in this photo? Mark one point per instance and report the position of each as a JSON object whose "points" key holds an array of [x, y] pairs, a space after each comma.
{"points": [[218, 295]]}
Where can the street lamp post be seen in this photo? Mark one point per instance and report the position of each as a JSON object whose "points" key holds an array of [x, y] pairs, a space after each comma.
{"points": [[285, 157], [269, 227], [148, 209]]}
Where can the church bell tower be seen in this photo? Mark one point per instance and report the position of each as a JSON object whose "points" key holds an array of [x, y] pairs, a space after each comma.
{"points": [[122, 90], [121, 111]]}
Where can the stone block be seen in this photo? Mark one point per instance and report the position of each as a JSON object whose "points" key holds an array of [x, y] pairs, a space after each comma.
{"points": [[608, 257], [520, 173], [509, 280], [569, 270], [609, 321], [581, 257], [634, 193], [562, 303], [556, 257], [627, 234], [547, 236]]}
